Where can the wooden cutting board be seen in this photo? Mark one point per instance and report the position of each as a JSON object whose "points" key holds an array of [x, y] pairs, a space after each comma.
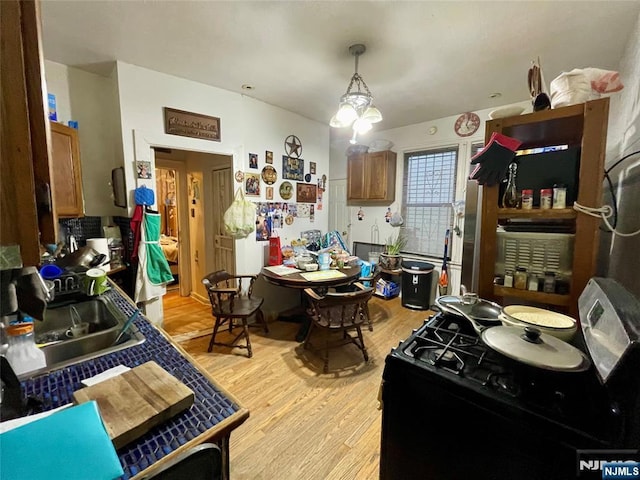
{"points": [[134, 402]]}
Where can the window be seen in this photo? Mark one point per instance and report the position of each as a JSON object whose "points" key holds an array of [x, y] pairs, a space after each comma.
{"points": [[428, 193]]}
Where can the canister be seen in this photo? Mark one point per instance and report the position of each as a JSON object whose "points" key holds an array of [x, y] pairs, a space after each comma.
{"points": [[520, 278], [546, 198], [559, 196], [527, 199]]}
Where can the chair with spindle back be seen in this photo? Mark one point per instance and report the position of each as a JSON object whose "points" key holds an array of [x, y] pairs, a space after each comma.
{"points": [[338, 312], [231, 303]]}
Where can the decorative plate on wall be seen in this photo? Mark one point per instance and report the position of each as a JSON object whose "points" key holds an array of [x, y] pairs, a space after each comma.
{"points": [[269, 175], [467, 124], [239, 176], [286, 190]]}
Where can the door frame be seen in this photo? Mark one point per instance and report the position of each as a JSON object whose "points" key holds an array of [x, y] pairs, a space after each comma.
{"points": [[184, 235]]}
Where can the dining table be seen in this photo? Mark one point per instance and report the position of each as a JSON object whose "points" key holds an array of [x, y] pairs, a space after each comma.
{"points": [[320, 279]]}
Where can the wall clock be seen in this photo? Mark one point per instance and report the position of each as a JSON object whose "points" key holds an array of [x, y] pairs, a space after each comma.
{"points": [[467, 124]]}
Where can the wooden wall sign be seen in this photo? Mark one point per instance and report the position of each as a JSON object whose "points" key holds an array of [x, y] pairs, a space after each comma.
{"points": [[189, 124]]}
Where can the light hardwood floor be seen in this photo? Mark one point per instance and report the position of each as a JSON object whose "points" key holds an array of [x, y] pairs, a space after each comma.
{"points": [[303, 425]]}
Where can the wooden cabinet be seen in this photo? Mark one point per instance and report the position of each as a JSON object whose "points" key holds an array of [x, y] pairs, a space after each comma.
{"points": [[24, 160], [67, 175], [583, 125], [371, 178]]}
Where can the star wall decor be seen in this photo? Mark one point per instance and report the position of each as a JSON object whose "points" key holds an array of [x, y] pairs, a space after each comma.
{"points": [[293, 146]]}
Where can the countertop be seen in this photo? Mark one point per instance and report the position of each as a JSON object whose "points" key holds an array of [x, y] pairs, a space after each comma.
{"points": [[214, 414]]}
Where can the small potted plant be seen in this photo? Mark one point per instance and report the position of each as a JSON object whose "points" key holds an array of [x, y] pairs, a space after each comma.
{"points": [[390, 259]]}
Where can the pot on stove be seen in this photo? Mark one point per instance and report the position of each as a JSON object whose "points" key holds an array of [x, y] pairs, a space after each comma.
{"points": [[530, 346]]}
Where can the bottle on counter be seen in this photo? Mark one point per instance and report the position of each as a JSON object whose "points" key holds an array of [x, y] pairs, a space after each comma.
{"points": [[23, 354], [510, 196]]}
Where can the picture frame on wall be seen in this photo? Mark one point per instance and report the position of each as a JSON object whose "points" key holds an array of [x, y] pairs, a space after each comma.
{"points": [[292, 168], [253, 160], [144, 169], [269, 193], [312, 168], [306, 193], [252, 184], [268, 157]]}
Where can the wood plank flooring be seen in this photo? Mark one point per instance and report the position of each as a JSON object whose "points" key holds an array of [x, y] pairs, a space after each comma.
{"points": [[304, 425]]}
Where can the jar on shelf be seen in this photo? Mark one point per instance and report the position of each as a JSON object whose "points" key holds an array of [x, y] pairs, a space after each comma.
{"points": [[559, 196], [533, 282], [508, 278], [527, 199], [549, 285], [520, 278], [546, 198]]}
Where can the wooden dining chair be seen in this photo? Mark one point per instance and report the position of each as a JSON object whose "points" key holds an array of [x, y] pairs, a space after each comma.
{"points": [[369, 281], [338, 312], [232, 305]]}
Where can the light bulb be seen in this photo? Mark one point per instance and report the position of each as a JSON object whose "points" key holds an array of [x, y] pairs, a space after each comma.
{"points": [[346, 114], [362, 125], [335, 123], [372, 114]]}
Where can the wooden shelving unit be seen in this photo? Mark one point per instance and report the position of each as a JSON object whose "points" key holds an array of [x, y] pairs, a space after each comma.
{"points": [[583, 125]]}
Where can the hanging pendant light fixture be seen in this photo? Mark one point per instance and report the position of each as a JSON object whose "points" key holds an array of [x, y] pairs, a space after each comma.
{"points": [[356, 107]]}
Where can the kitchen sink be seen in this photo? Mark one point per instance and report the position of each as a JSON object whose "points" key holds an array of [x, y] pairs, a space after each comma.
{"points": [[104, 321]]}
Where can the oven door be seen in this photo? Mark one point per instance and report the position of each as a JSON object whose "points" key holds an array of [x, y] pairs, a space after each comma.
{"points": [[434, 428]]}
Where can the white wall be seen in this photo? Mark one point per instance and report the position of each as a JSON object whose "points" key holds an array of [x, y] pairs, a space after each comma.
{"points": [[409, 139], [92, 101], [624, 109]]}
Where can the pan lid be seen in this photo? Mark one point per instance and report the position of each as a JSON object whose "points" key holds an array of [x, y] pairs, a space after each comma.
{"points": [[529, 345]]}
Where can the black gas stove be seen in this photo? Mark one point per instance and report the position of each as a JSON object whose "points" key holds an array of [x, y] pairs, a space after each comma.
{"points": [[453, 408]]}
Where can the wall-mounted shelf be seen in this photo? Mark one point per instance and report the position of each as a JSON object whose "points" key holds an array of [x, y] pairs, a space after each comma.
{"points": [[537, 213], [538, 297]]}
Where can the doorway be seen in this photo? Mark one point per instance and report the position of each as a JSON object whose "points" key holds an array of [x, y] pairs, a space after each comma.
{"points": [[192, 204], [167, 200]]}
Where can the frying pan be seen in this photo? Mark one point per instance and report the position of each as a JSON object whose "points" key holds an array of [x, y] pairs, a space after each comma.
{"points": [[83, 257]]}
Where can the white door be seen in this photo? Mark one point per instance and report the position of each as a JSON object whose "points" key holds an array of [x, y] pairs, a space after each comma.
{"points": [[339, 211]]}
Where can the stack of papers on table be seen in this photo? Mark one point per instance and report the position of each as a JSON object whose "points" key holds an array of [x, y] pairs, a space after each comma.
{"points": [[70, 444], [282, 270], [322, 275]]}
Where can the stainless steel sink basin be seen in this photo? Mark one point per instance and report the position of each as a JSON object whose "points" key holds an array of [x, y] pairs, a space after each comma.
{"points": [[105, 322]]}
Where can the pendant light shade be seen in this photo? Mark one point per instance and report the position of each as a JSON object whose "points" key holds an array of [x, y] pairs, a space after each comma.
{"points": [[356, 107]]}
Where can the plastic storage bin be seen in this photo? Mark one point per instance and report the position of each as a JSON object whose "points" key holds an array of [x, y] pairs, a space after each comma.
{"points": [[416, 284]]}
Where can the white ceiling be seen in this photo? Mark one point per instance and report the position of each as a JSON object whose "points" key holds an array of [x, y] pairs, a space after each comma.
{"points": [[424, 60]]}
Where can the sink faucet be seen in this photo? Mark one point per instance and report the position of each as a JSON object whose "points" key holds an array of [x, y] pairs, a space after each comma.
{"points": [[23, 289]]}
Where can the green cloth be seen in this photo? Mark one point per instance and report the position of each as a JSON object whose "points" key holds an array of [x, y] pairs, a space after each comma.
{"points": [[158, 270]]}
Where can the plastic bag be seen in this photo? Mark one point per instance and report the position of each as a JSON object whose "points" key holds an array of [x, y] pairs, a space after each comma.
{"points": [[582, 85], [240, 217]]}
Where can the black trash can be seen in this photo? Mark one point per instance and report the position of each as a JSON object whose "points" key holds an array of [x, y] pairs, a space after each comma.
{"points": [[416, 284]]}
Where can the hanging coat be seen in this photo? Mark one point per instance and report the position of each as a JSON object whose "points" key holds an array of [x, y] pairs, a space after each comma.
{"points": [[153, 269]]}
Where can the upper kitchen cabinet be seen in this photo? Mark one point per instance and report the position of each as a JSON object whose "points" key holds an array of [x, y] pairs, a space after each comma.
{"points": [[67, 175], [24, 162], [559, 240], [371, 178]]}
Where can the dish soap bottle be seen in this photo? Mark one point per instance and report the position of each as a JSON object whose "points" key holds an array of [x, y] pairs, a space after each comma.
{"points": [[22, 354], [510, 196]]}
